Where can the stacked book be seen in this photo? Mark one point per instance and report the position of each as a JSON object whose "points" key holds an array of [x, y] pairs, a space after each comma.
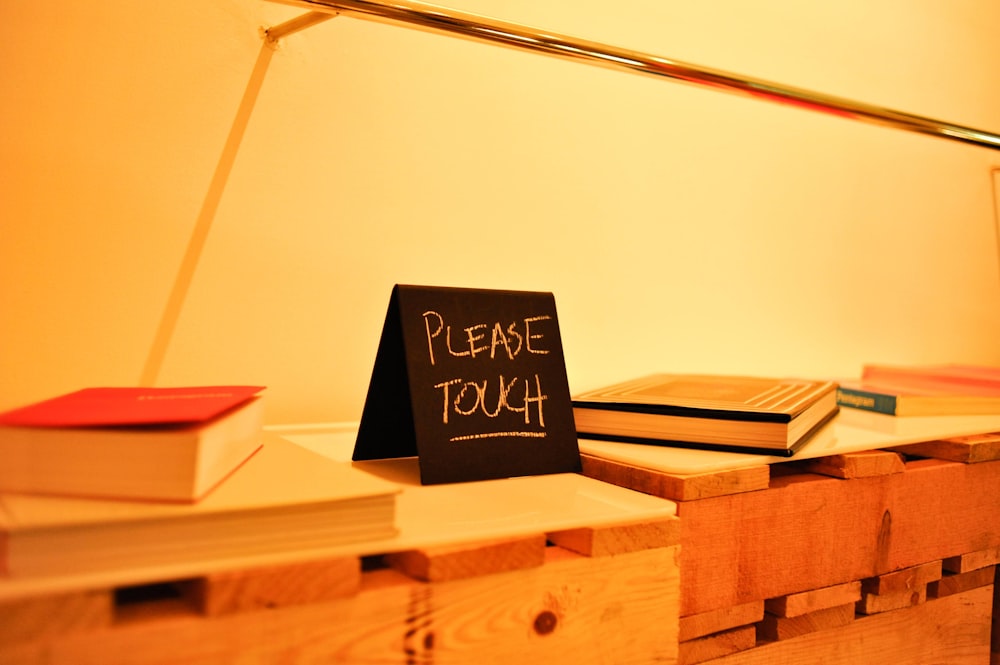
{"points": [[111, 478], [732, 413], [925, 390]]}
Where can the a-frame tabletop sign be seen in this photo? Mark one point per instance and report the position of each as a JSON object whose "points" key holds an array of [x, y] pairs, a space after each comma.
{"points": [[472, 382]]}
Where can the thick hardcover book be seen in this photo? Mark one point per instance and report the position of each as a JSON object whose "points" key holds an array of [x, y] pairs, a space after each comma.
{"points": [[748, 414], [284, 501], [165, 444]]}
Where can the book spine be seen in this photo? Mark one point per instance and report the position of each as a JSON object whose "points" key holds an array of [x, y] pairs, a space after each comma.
{"points": [[868, 401]]}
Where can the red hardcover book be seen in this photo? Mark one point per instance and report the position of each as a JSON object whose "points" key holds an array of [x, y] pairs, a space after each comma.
{"points": [[95, 407], [172, 444]]}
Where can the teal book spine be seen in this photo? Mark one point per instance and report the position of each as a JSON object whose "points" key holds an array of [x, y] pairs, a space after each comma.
{"points": [[868, 400]]}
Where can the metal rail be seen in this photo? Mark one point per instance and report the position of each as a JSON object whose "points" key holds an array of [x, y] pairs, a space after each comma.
{"points": [[480, 28]]}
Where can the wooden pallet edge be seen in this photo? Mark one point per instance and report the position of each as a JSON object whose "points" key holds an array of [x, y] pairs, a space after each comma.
{"points": [[676, 487]]}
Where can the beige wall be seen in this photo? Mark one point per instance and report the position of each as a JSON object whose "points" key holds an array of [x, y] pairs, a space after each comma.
{"points": [[680, 229]]}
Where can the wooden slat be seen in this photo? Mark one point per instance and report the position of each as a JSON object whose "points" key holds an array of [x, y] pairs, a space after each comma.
{"points": [[676, 487], [872, 603], [275, 586], [619, 539], [774, 627], [717, 645], [897, 590], [967, 449], [700, 625], [906, 580], [455, 562], [952, 583], [972, 561], [856, 465], [806, 602], [953, 630], [48, 616]]}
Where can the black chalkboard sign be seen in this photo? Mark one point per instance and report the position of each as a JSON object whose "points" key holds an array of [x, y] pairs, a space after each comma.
{"points": [[473, 382]]}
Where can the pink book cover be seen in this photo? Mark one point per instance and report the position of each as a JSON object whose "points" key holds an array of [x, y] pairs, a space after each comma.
{"points": [[936, 379], [127, 406]]}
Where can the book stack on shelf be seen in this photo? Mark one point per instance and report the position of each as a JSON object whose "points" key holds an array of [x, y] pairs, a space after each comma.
{"points": [[730, 413], [110, 478], [684, 425], [930, 390]]}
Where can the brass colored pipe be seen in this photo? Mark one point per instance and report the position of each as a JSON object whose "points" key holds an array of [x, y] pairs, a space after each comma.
{"points": [[480, 28]]}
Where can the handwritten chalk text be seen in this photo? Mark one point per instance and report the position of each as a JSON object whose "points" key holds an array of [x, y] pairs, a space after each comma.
{"points": [[468, 398], [508, 341]]}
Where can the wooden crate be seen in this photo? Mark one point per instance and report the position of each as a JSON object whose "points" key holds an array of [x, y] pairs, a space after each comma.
{"points": [[584, 595], [813, 534]]}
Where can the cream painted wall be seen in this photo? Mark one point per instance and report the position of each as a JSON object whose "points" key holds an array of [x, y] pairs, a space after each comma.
{"points": [[680, 229]]}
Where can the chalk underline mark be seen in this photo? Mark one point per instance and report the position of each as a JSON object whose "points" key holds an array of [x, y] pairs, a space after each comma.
{"points": [[495, 435]]}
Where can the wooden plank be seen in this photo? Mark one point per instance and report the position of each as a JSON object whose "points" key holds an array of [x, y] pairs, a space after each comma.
{"points": [[572, 609], [619, 539], [274, 586], [808, 531], [942, 508], [897, 590], [953, 630], [48, 616], [872, 603], [952, 583], [676, 487], [715, 646], [806, 602], [455, 562], [774, 627], [588, 613], [972, 561], [856, 465], [967, 449], [902, 581], [716, 621]]}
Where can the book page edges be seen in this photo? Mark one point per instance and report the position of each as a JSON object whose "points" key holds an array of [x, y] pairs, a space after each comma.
{"points": [[624, 397], [280, 475]]}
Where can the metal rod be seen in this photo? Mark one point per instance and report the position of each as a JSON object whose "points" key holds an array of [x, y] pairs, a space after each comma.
{"points": [[480, 28], [276, 32]]}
